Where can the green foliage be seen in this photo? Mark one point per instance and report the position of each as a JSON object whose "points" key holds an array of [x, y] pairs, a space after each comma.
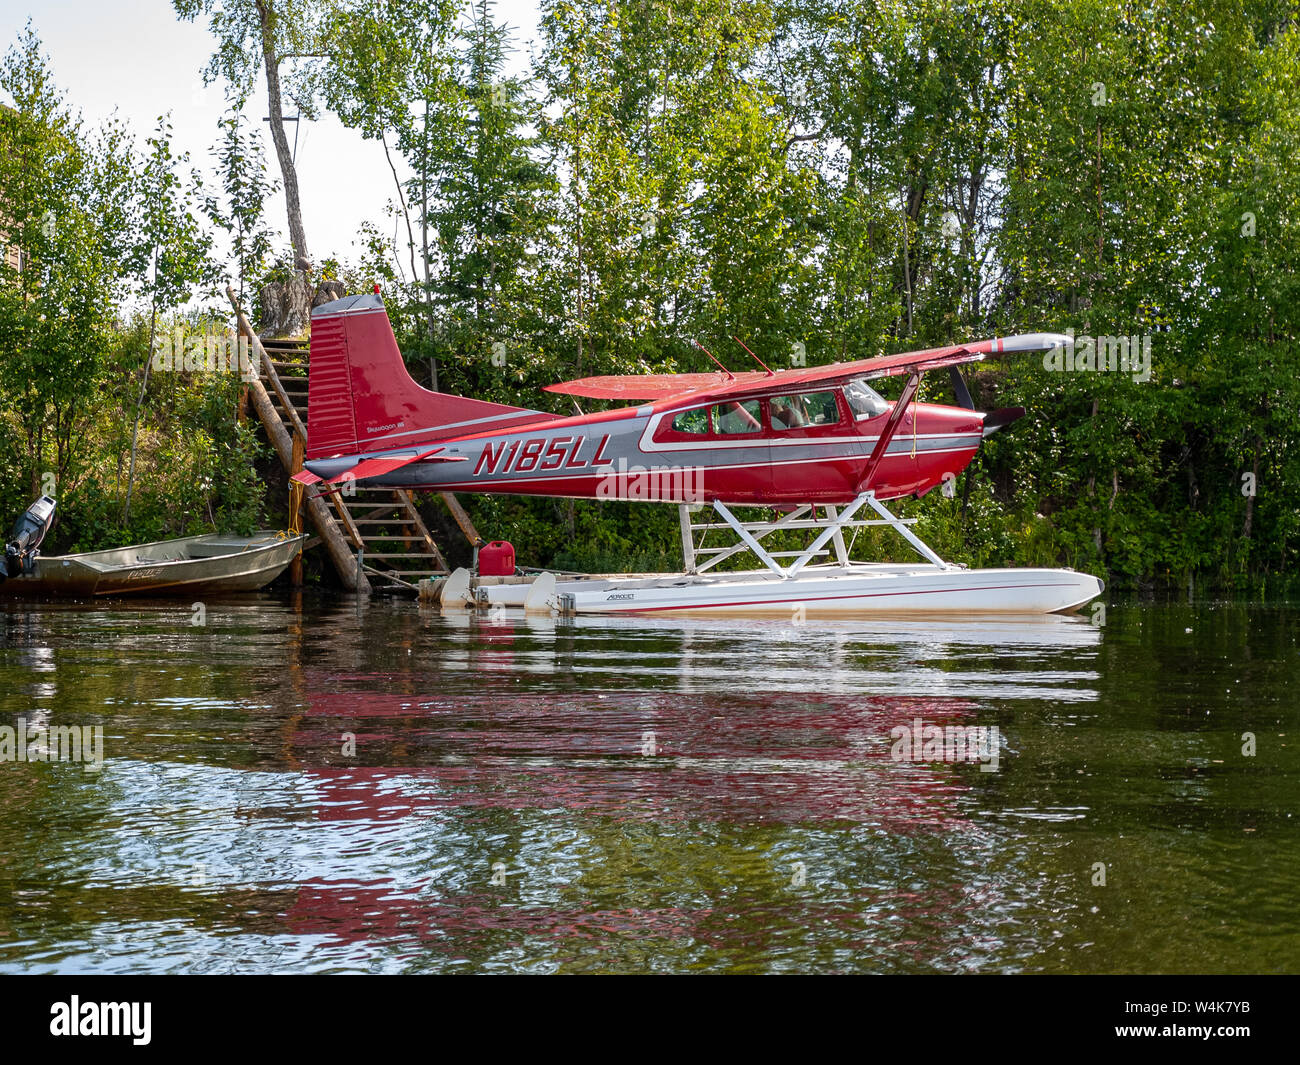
{"points": [[244, 28], [241, 209], [170, 252], [100, 223], [831, 180], [67, 207], [197, 468], [825, 180]]}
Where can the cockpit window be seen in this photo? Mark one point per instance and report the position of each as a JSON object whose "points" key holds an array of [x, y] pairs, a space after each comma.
{"points": [[801, 411], [737, 417], [692, 421], [864, 401]]}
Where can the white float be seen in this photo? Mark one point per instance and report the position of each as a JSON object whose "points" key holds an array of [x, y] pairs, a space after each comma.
{"points": [[805, 583]]}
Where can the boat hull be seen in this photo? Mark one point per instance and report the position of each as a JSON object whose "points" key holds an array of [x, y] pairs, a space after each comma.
{"points": [[209, 565], [861, 589]]}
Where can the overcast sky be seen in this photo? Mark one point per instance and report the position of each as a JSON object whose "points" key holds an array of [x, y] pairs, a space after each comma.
{"points": [[137, 57]]}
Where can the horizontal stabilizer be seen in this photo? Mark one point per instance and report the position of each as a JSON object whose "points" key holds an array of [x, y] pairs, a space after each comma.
{"points": [[373, 467]]}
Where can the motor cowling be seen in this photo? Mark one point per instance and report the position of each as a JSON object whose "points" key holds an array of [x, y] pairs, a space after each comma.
{"points": [[23, 545]]}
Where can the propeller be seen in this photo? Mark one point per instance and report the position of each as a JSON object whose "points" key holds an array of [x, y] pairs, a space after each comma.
{"points": [[960, 390], [995, 420]]}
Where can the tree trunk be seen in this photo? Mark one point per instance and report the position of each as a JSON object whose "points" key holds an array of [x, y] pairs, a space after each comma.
{"points": [[1092, 484], [577, 203], [424, 238], [1250, 499], [297, 235], [907, 274], [144, 385]]}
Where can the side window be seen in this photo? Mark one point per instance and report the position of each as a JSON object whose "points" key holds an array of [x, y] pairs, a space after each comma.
{"points": [[864, 401], [805, 410], [692, 421], [737, 417]]}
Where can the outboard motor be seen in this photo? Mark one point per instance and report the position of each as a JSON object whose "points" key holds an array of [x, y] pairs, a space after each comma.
{"points": [[25, 539]]}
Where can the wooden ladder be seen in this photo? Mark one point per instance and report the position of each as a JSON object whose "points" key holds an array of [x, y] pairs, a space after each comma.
{"points": [[383, 525]]}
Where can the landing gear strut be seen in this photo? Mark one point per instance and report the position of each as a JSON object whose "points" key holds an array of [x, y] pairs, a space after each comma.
{"points": [[830, 531]]}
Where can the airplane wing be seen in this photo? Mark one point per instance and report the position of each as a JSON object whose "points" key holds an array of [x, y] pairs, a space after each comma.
{"points": [[917, 363], [907, 362], [375, 466], [665, 386], [649, 386]]}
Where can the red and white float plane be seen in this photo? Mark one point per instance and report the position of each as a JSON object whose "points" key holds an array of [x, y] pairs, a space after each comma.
{"points": [[798, 439]]}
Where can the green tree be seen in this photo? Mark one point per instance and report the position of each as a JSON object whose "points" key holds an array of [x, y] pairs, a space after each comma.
{"points": [[265, 35], [241, 209], [1129, 182], [392, 79], [493, 204], [680, 214], [170, 255], [67, 207]]}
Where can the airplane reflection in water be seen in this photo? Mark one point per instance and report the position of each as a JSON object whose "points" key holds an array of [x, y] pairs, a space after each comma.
{"points": [[514, 754], [975, 657], [589, 762], [630, 755]]}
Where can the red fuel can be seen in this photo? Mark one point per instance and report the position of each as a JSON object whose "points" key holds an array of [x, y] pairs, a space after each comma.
{"points": [[496, 559]]}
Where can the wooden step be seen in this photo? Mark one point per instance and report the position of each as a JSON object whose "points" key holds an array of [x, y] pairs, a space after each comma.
{"points": [[374, 511], [366, 514]]}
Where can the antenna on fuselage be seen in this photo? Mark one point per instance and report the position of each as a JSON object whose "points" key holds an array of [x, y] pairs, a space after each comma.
{"points": [[730, 376], [770, 371]]}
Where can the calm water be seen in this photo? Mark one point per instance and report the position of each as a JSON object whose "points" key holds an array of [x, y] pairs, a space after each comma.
{"points": [[648, 795]]}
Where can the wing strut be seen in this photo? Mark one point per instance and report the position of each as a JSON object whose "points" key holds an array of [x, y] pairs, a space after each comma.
{"points": [[887, 433]]}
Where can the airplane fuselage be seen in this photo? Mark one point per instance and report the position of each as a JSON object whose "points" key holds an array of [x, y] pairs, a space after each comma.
{"points": [[806, 435], [677, 451]]}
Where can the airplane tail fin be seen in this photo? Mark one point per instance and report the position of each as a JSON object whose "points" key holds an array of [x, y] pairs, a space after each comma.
{"points": [[361, 398]]}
